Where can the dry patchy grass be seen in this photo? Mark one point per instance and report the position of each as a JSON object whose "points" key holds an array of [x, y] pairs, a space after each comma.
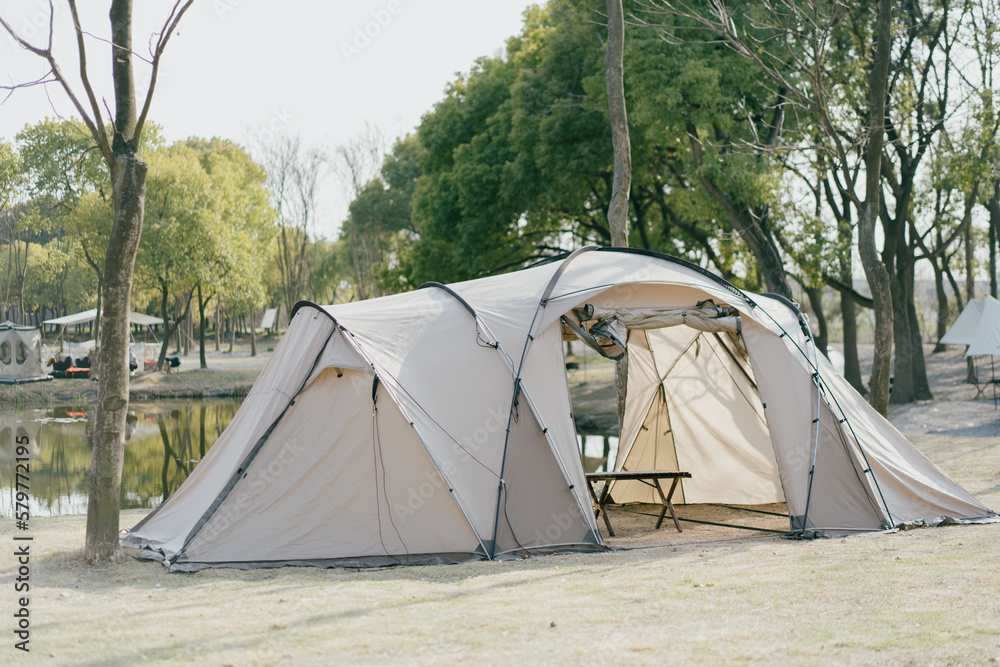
{"points": [[710, 595]]}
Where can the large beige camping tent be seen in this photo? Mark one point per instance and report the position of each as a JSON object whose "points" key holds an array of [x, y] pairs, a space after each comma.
{"points": [[436, 425], [20, 354]]}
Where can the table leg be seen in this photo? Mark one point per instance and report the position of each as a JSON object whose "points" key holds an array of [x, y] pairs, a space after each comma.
{"points": [[604, 510], [667, 504]]}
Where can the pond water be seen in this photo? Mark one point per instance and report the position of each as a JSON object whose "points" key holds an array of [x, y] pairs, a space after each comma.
{"points": [[165, 441]]}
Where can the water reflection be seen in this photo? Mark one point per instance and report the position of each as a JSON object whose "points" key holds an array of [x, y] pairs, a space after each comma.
{"points": [[164, 442], [599, 451]]}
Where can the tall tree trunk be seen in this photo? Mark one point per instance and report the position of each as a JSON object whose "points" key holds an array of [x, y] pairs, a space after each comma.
{"points": [[202, 362], [848, 309], [970, 276], [128, 180], [942, 305], [993, 206], [231, 321], [875, 270], [946, 268], [910, 382], [822, 338], [218, 326], [852, 365], [622, 181], [253, 333]]}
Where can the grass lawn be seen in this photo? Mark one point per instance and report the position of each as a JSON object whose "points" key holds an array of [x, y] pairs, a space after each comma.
{"points": [[709, 596]]}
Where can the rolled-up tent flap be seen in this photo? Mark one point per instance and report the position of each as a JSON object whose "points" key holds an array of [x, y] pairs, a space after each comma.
{"points": [[706, 316]]}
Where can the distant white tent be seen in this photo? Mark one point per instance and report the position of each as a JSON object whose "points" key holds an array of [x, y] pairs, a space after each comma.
{"points": [[267, 321], [978, 326], [963, 331], [20, 354], [138, 319], [987, 338]]}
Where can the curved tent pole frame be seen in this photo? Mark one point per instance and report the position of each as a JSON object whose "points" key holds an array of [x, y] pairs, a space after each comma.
{"points": [[817, 377], [517, 376], [531, 401], [821, 385], [255, 450], [395, 398]]}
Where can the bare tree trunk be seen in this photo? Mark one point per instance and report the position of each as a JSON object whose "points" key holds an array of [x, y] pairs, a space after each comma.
{"points": [[970, 276], [993, 206], [822, 338], [942, 305], [910, 378], [852, 365], [253, 333], [231, 321], [622, 181], [875, 270], [128, 180], [945, 266], [202, 362], [218, 326]]}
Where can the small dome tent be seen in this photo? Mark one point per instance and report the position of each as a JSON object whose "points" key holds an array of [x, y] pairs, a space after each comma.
{"points": [[20, 354], [436, 425]]}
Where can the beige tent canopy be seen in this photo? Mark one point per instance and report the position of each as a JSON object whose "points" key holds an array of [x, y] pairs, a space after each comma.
{"points": [[436, 425], [20, 354]]}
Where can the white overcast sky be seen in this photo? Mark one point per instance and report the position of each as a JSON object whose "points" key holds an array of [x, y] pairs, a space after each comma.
{"points": [[240, 65]]}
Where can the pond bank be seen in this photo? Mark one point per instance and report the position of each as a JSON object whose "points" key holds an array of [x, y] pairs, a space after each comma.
{"points": [[229, 374]]}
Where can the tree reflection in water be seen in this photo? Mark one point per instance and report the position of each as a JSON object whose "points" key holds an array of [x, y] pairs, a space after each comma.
{"points": [[164, 443]]}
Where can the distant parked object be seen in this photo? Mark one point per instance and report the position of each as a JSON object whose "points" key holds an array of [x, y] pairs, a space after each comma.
{"points": [[20, 354]]}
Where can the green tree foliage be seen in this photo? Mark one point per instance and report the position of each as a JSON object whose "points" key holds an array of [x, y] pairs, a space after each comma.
{"points": [[208, 222], [515, 163]]}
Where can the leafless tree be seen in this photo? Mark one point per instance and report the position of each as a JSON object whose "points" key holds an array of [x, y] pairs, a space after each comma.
{"points": [[355, 164], [119, 145], [295, 174]]}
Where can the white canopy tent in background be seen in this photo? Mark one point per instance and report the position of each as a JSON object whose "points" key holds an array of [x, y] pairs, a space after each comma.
{"points": [[437, 426], [267, 321], [987, 338], [137, 319], [963, 330], [978, 327]]}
